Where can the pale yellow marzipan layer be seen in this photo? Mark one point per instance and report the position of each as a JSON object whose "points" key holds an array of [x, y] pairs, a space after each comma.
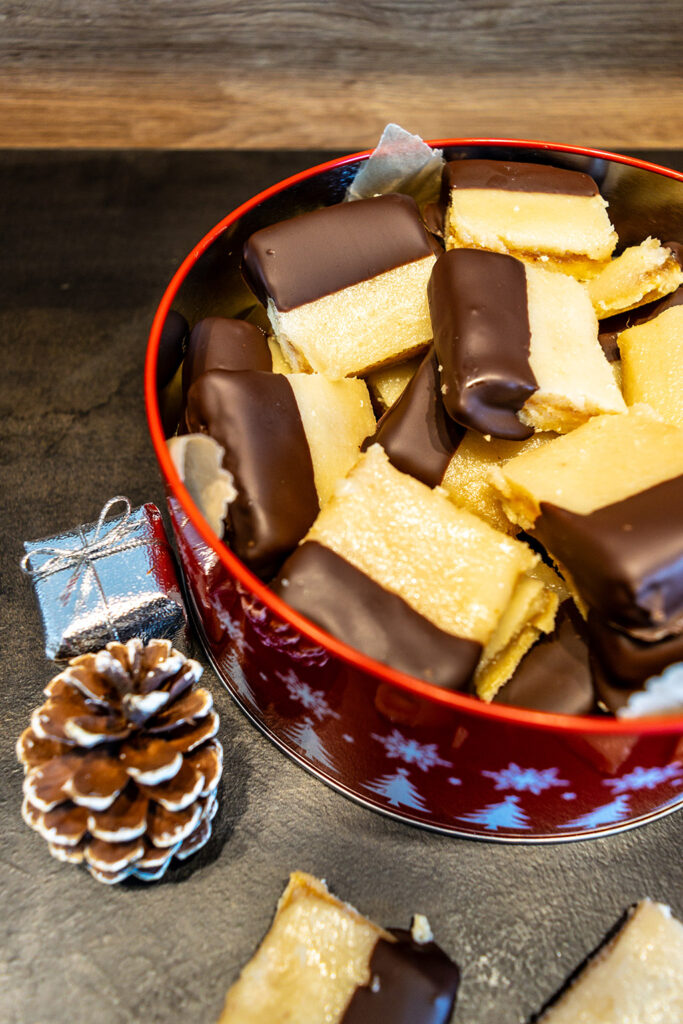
{"points": [[444, 562], [602, 462], [641, 274], [467, 480], [652, 364], [387, 385], [636, 979], [532, 224], [315, 955], [574, 379], [530, 613], [367, 325], [280, 362], [337, 416]]}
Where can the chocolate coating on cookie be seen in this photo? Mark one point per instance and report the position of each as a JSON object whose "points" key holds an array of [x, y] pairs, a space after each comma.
{"points": [[417, 433], [434, 218], [626, 559], [255, 417], [518, 177], [480, 319], [217, 343], [555, 675], [345, 602], [410, 983], [608, 340], [626, 661], [300, 260]]}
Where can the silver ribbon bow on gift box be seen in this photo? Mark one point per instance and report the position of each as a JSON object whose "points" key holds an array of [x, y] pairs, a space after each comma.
{"points": [[106, 595], [80, 559]]}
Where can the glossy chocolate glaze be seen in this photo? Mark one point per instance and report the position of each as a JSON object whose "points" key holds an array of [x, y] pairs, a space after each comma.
{"points": [[555, 675], [417, 433], [608, 341], [342, 600], [480, 321], [411, 983], [518, 177], [626, 559], [629, 662], [217, 343], [254, 416], [299, 260], [434, 218]]}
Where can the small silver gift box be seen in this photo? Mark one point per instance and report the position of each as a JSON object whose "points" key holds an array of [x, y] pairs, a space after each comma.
{"points": [[109, 580]]}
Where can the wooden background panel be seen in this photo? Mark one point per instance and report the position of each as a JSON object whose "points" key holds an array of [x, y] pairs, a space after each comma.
{"points": [[210, 73], [348, 35]]}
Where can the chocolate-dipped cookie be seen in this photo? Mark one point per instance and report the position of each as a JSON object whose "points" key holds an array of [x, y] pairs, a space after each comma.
{"points": [[534, 211], [287, 439], [321, 962], [555, 675], [518, 346], [349, 604], [479, 309], [625, 559], [636, 977], [606, 502], [345, 285], [416, 432], [217, 343], [466, 579]]}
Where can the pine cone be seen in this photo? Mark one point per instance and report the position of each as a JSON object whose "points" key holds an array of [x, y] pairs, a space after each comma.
{"points": [[121, 762]]}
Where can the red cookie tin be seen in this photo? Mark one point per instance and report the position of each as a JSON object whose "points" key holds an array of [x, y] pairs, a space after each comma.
{"points": [[430, 757]]}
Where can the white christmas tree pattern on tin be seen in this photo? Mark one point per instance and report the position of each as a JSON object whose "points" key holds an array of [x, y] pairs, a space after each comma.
{"points": [[606, 814], [398, 790], [504, 815], [238, 679], [619, 808], [305, 737], [508, 814], [303, 733], [396, 787]]}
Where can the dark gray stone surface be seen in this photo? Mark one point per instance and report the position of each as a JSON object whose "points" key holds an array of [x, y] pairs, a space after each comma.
{"points": [[88, 244]]}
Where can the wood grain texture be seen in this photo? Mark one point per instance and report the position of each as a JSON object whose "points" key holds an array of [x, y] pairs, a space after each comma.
{"points": [[294, 73]]}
